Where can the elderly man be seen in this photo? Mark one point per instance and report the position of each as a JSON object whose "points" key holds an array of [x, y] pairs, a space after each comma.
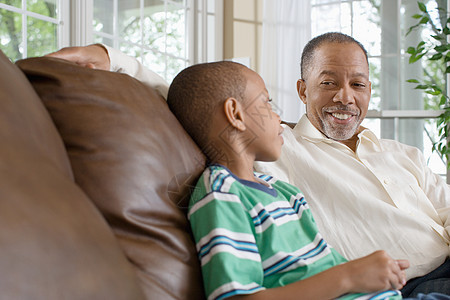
{"points": [[365, 193]]}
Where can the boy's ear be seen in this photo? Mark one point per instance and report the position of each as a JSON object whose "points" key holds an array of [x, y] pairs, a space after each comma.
{"points": [[234, 112]]}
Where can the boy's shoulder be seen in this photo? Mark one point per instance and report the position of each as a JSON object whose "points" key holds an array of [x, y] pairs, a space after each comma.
{"points": [[278, 184], [215, 178]]}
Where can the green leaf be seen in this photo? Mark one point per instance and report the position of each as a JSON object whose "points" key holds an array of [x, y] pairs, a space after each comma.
{"points": [[412, 80], [447, 70], [437, 37], [433, 93], [411, 50], [415, 58], [421, 44], [437, 56], [436, 88], [443, 100], [446, 30], [417, 16], [424, 20], [441, 48], [421, 87], [422, 7]]}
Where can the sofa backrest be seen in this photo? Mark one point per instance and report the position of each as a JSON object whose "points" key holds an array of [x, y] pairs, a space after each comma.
{"points": [[133, 159], [54, 244]]}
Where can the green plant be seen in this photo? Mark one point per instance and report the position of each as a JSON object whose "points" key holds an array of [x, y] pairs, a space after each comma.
{"points": [[435, 49]]}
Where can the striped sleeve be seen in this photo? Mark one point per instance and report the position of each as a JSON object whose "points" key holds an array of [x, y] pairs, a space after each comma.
{"points": [[226, 246]]}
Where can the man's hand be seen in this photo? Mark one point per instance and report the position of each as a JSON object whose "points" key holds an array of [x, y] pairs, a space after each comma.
{"points": [[92, 56], [375, 272]]}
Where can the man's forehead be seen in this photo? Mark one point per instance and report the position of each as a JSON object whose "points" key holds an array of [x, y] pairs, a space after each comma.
{"points": [[355, 72], [350, 53]]}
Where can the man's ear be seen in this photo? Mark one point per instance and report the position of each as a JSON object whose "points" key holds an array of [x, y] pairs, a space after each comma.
{"points": [[301, 90], [234, 113]]}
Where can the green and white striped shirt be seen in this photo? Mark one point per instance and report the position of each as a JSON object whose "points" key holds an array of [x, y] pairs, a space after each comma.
{"points": [[252, 236]]}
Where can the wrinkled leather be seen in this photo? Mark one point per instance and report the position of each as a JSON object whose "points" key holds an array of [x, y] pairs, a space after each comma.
{"points": [[133, 159], [54, 243]]}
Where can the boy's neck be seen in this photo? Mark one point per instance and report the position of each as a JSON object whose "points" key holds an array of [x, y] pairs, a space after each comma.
{"points": [[241, 166]]}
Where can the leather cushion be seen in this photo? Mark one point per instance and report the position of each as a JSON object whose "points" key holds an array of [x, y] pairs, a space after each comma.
{"points": [[54, 244], [135, 161]]}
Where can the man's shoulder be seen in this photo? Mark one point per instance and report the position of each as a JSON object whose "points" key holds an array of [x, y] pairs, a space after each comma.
{"points": [[393, 145]]}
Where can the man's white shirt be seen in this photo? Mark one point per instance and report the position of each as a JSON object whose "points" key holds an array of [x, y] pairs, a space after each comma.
{"points": [[383, 196]]}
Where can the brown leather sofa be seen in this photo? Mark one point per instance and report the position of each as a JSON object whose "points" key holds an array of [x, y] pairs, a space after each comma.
{"points": [[95, 174]]}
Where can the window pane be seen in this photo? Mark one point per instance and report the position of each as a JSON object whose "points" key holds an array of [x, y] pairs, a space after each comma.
{"points": [[156, 62], [211, 6], [155, 27], [16, 3], [131, 50], [173, 67], [374, 72], [11, 34], [103, 16], [129, 20], [41, 37], [366, 19], [175, 30], [104, 40], [46, 8], [325, 18]]}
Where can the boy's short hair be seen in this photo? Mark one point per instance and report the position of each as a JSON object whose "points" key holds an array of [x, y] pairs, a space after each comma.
{"points": [[198, 90], [329, 37]]}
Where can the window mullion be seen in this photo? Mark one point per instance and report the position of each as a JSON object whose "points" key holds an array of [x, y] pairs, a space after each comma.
{"points": [[24, 30]]}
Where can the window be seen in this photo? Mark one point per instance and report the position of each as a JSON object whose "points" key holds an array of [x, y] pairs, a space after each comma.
{"points": [[161, 33], [30, 27], [152, 31], [397, 110], [165, 35]]}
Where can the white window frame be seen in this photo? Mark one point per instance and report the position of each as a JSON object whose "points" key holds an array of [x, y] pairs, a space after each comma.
{"points": [[81, 16], [61, 21], [75, 19]]}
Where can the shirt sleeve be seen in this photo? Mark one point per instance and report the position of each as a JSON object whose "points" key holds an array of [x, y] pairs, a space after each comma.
{"points": [[230, 260], [438, 191], [123, 63]]}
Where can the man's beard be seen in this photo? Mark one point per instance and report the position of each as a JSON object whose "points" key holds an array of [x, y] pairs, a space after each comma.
{"points": [[336, 131]]}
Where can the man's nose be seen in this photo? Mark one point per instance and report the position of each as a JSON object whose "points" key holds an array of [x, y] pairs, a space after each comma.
{"points": [[344, 95]]}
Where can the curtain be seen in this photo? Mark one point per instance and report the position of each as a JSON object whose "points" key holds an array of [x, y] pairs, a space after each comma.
{"points": [[285, 31]]}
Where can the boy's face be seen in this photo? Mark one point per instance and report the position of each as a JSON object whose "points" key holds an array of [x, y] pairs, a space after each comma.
{"points": [[263, 124]]}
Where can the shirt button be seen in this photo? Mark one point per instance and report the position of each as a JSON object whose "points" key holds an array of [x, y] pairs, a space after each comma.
{"points": [[386, 181]]}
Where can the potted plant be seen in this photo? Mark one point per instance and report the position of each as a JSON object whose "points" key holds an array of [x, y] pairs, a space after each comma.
{"points": [[435, 50]]}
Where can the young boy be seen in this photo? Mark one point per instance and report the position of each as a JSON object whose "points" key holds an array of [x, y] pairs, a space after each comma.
{"points": [[255, 236]]}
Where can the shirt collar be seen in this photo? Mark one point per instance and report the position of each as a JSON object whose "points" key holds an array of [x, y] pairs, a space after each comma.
{"points": [[306, 130]]}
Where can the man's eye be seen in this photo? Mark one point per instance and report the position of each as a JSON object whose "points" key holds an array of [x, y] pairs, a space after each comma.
{"points": [[327, 83], [358, 84]]}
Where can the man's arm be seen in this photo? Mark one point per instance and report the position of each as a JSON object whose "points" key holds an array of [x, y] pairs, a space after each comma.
{"points": [[98, 56], [435, 188], [93, 56]]}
